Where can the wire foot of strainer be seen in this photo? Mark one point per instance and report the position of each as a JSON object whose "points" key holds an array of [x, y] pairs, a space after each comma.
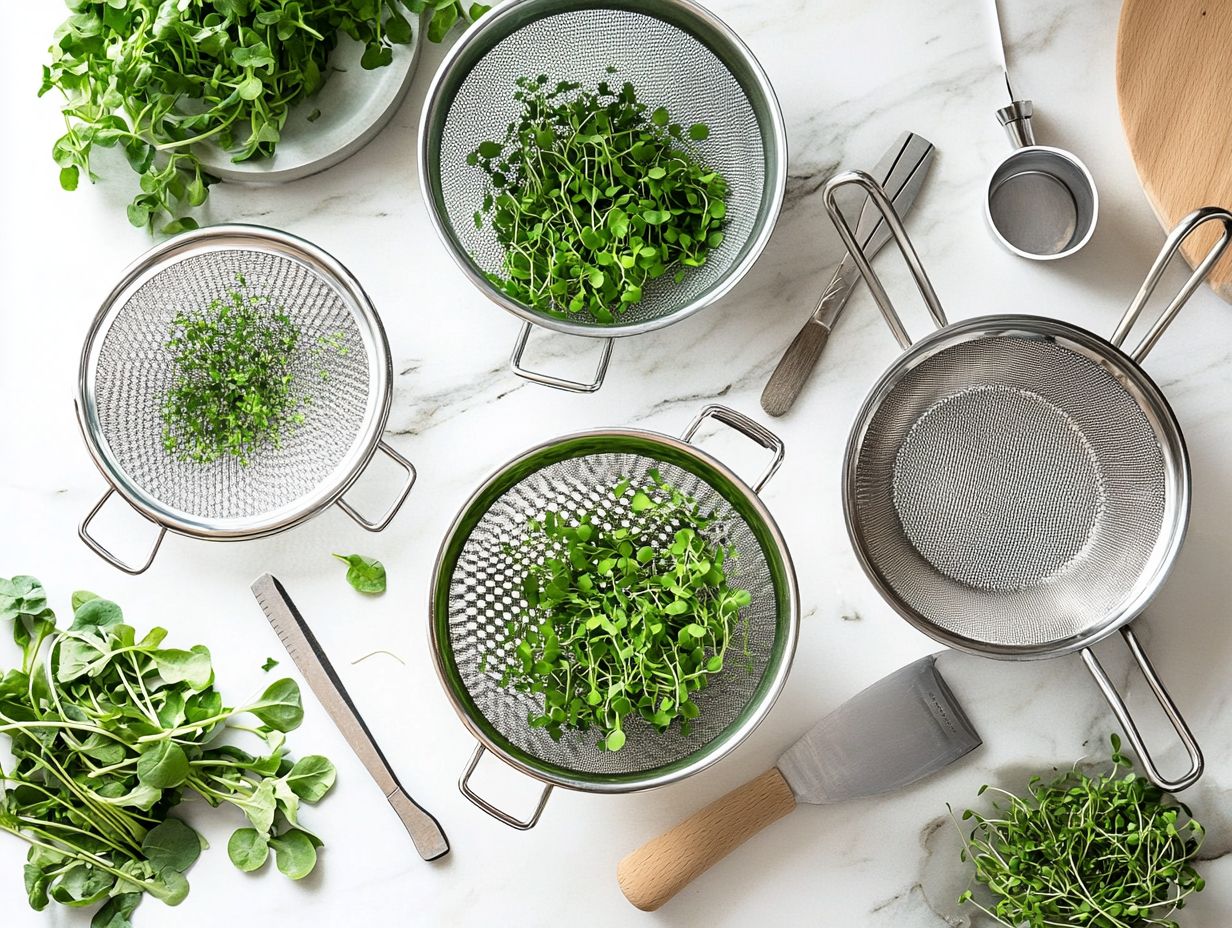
{"points": [[1018, 487], [126, 370], [678, 55], [477, 586]]}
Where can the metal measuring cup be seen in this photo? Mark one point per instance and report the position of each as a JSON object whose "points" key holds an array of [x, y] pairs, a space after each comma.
{"points": [[1041, 202]]}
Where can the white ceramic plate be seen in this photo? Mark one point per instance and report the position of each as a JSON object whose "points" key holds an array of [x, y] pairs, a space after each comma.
{"points": [[354, 106]]}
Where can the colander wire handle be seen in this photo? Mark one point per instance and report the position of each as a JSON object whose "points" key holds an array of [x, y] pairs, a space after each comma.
{"points": [[382, 523], [747, 427], [878, 198], [1176, 238], [499, 814], [1121, 711], [547, 380], [83, 532]]}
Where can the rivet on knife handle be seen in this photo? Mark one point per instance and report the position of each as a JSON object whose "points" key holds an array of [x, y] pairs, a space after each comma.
{"points": [[303, 648], [901, 172]]}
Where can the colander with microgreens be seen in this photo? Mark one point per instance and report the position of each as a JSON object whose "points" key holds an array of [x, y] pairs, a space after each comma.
{"points": [[678, 55], [127, 369], [477, 587]]}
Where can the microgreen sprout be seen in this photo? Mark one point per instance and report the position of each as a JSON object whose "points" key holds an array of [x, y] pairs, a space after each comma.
{"points": [[593, 195], [234, 390], [625, 620], [1094, 851]]}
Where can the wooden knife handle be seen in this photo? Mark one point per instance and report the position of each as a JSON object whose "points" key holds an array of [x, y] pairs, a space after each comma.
{"points": [[663, 866]]}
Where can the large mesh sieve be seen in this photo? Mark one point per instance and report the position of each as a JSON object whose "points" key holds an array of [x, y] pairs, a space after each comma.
{"points": [[1018, 487], [478, 587], [676, 55], [1012, 489], [341, 371]]}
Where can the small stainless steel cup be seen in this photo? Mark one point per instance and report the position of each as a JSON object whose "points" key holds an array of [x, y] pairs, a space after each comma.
{"points": [[1041, 201]]}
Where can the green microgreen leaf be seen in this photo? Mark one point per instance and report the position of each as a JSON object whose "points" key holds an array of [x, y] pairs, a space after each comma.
{"points": [[248, 849], [311, 777], [80, 597], [172, 844], [279, 706], [295, 853], [162, 765], [365, 574]]}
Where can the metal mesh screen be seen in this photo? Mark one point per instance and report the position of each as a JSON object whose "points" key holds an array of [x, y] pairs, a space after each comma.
{"points": [[668, 67], [485, 590], [135, 370], [1010, 490]]}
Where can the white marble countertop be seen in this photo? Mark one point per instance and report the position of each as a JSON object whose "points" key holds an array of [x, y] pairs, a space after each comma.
{"points": [[850, 76]]}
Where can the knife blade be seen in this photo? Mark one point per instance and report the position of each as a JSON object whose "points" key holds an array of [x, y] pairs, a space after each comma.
{"points": [[901, 171], [902, 728], [308, 656]]}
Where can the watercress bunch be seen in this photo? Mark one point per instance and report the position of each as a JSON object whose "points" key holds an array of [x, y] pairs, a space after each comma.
{"points": [[109, 731], [156, 77]]}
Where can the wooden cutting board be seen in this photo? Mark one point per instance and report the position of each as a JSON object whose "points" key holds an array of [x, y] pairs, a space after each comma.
{"points": [[1174, 87]]}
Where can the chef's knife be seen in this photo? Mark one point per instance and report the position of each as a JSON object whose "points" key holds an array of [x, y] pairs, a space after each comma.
{"points": [[900, 729], [901, 172], [300, 643]]}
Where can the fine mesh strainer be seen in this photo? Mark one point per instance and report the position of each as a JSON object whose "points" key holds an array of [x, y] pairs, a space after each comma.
{"points": [[477, 586], [342, 366], [678, 55], [1018, 487]]}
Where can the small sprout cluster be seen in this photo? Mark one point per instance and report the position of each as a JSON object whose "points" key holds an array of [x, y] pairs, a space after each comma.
{"points": [[1104, 851], [626, 618], [234, 389], [108, 731], [593, 195]]}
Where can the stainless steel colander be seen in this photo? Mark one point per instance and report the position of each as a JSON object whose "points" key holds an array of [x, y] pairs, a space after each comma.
{"points": [[342, 366], [477, 586], [1018, 487], [677, 54]]}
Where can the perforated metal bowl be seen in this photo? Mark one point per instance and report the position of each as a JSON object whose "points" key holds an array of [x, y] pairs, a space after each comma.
{"points": [[1018, 487], [477, 585], [677, 54], [127, 369]]}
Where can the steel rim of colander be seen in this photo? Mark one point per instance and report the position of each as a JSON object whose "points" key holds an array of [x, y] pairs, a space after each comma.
{"points": [[239, 237], [1149, 399], [513, 14], [707, 754]]}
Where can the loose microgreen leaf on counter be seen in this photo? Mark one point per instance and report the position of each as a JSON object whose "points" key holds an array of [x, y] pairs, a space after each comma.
{"points": [[108, 732], [625, 620], [1106, 850], [593, 195], [156, 77], [269, 664], [365, 574]]}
